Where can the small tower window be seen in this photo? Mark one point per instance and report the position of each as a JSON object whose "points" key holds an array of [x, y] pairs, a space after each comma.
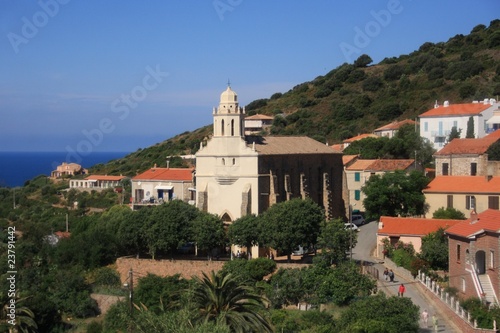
{"points": [[222, 127], [234, 161], [232, 127]]}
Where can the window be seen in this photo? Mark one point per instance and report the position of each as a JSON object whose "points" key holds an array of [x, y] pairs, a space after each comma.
{"points": [[357, 194], [492, 259], [463, 284], [493, 202], [470, 202], [426, 127], [455, 124], [445, 169], [357, 176], [458, 252], [232, 127], [222, 127], [449, 200], [473, 169]]}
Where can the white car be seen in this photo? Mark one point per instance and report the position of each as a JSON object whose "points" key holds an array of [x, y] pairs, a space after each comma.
{"points": [[353, 227]]}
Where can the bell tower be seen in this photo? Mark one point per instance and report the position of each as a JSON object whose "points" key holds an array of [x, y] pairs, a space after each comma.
{"points": [[228, 117]]}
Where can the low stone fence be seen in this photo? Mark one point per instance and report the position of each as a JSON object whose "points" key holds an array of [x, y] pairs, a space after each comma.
{"points": [[452, 306], [169, 267]]}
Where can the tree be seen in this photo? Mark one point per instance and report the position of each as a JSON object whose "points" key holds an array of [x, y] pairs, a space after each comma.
{"points": [[470, 128], [435, 249], [363, 61], [220, 298], [245, 231], [207, 231], [494, 152], [449, 213], [289, 224], [380, 314], [335, 241], [16, 317], [153, 291], [454, 134], [395, 194]]}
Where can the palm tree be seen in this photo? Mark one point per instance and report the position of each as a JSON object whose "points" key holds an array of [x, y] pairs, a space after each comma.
{"points": [[220, 298], [23, 321]]}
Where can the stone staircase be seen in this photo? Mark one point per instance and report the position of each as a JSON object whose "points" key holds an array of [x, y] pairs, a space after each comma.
{"points": [[487, 288]]}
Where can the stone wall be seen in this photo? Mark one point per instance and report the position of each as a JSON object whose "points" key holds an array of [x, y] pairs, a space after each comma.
{"points": [[186, 268]]}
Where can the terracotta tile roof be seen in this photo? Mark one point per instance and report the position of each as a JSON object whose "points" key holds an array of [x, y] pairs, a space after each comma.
{"points": [[105, 177], [380, 165], [489, 220], [180, 174], [395, 125], [390, 165], [469, 146], [291, 145], [259, 117], [412, 226], [346, 159], [468, 109], [62, 234], [463, 184], [337, 147], [360, 137]]}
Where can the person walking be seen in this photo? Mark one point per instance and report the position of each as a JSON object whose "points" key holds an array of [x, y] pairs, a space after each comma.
{"points": [[425, 318], [435, 322], [386, 274], [402, 290], [391, 275]]}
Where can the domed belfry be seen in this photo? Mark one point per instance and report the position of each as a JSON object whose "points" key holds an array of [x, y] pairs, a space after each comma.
{"points": [[228, 117]]}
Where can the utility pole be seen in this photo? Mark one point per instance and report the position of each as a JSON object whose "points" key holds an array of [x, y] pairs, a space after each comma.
{"points": [[131, 296]]}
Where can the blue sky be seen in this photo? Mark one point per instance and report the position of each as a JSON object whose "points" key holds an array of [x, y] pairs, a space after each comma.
{"points": [[121, 75]]}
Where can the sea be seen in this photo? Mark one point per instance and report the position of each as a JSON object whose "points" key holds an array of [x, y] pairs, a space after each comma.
{"points": [[18, 167]]}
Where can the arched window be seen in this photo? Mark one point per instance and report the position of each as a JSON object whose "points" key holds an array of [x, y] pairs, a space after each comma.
{"points": [[222, 127], [232, 127], [223, 161], [234, 161]]}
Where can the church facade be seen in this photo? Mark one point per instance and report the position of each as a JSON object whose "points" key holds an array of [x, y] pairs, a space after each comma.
{"points": [[237, 175]]}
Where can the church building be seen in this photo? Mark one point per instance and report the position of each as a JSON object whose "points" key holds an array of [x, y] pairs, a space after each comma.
{"points": [[237, 175]]}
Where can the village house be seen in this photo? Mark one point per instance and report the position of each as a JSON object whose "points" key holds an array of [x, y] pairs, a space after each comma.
{"points": [[474, 256], [97, 182], [158, 185], [463, 193], [68, 169], [359, 171], [467, 157], [391, 129], [408, 230], [257, 123], [437, 123], [238, 175]]}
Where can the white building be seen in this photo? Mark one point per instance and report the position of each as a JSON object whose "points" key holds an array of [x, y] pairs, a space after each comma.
{"points": [[437, 123]]}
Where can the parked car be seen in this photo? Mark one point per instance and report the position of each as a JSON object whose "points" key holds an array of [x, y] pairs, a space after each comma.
{"points": [[187, 248], [353, 227], [358, 220], [302, 250]]}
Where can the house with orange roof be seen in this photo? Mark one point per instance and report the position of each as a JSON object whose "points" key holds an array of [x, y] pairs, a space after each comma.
{"points": [[391, 129], [408, 230], [474, 256], [257, 123], [358, 171], [467, 157], [463, 193], [158, 185], [347, 142], [97, 182], [436, 124]]}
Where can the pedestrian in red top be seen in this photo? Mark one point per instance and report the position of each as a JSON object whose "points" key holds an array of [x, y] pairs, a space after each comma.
{"points": [[402, 290]]}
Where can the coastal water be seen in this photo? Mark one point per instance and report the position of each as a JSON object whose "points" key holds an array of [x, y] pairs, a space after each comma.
{"points": [[18, 167]]}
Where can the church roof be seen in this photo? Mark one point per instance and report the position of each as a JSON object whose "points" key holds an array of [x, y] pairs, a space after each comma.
{"points": [[288, 145], [176, 174]]}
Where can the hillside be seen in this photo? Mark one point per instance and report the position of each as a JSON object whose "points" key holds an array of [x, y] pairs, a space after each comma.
{"points": [[359, 97]]}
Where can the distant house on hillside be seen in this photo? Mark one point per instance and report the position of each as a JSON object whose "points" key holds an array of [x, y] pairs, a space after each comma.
{"points": [[437, 123], [347, 142], [467, 157], [359, 171], [391, 129], [257, 123], [158, 185], [474, 256], [96, 182], [463, 193], [68, 169], [408, 230]]}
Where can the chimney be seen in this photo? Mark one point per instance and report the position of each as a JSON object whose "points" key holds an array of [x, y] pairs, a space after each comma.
{"points": [[380, 225], [154, 167], [489, 177], [473, 217], [446, 104]]}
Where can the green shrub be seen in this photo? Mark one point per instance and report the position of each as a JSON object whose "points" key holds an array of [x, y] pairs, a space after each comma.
{"points": [[402, 258]]}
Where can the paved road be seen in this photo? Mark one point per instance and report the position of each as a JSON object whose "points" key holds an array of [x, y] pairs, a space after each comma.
{"points": [[366, 244]]}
